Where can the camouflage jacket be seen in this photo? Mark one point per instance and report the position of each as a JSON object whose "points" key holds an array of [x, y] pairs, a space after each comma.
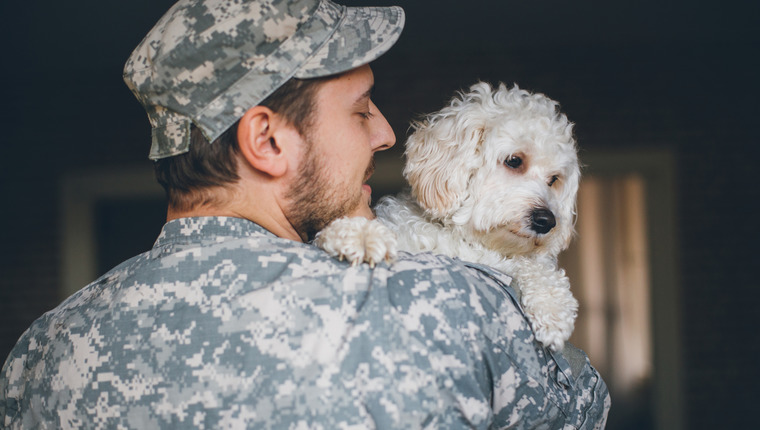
{"points": [[224, 325]]}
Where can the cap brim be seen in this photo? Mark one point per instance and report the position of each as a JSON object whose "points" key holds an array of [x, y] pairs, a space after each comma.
{"points": [[364, 34]]}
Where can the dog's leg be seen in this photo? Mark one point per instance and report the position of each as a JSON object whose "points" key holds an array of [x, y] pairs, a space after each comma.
{"points": [[358, 240], [547, 301]]}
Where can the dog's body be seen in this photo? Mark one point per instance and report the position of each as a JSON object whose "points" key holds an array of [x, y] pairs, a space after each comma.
{"points": [[493, 178]]}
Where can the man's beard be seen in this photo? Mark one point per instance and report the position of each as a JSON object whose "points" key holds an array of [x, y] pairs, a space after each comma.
{"points": [[315, 200]]}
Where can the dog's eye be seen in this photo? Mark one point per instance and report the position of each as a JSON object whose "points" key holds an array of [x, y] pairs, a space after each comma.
{"points": [[553, 180], [513, 162]]}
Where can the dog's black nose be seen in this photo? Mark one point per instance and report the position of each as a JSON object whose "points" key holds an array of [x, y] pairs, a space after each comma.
{"points": [[542, 220]]}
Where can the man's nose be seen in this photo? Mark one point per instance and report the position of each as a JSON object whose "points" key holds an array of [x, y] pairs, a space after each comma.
{"points": [[382, 136]]}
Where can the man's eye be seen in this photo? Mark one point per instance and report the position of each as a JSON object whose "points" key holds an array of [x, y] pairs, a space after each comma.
{"points": [[553, 180], [513, 162], [366, 115]]}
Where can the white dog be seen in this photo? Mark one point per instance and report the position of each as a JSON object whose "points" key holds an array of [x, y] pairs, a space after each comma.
{"points": [[494, 177]]}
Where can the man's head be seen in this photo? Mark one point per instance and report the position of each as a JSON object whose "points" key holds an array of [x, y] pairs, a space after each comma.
{"points": [[209, 63], [206, 62]]}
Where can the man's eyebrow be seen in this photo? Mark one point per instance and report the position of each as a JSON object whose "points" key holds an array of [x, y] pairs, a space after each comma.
{"points": [[366, 95]]}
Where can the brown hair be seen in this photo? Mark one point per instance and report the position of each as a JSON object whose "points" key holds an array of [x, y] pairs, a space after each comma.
{"points": [[188, 179]]}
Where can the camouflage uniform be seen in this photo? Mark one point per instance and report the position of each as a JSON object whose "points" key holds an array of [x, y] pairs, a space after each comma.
{"points": [[224, 325]]}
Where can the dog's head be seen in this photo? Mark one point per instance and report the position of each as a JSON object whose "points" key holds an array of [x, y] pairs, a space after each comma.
{"points": [[500, 163]]}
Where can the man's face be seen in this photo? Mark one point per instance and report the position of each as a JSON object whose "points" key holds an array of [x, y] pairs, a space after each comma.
{"points": [[337, 154]]}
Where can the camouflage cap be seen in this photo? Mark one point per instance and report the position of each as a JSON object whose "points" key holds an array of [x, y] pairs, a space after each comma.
{"points": [[208, 61]]}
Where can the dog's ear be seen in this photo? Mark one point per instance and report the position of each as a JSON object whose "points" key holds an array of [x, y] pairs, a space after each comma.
{"points": [[442, 152]]}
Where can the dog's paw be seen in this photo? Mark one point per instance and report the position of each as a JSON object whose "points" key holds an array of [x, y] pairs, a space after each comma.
{"points": [[358, 240], [553, 329], [548, 303]]}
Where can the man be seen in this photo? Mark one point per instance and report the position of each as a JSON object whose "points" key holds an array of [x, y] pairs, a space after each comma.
{"points": [[233, 319]]}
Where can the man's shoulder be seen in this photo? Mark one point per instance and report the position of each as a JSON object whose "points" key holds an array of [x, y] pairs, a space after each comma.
{"points": [[233, 241], [440, 268], [454, 287]]}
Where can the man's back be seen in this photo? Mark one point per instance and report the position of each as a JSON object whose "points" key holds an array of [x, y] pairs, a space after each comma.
{"points": [[224, 324]]}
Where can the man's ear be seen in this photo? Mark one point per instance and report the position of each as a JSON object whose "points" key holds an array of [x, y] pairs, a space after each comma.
{"points": [[258, 139]]}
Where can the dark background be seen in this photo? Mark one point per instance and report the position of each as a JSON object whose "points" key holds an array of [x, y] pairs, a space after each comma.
{"points": [[680, 76]]}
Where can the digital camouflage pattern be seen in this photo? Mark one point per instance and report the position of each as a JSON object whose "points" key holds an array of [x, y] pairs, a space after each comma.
{"points": [[224, 325], [209, 61]]}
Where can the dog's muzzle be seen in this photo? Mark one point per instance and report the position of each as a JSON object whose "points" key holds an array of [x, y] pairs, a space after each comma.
{"points": [[542, 220]]}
